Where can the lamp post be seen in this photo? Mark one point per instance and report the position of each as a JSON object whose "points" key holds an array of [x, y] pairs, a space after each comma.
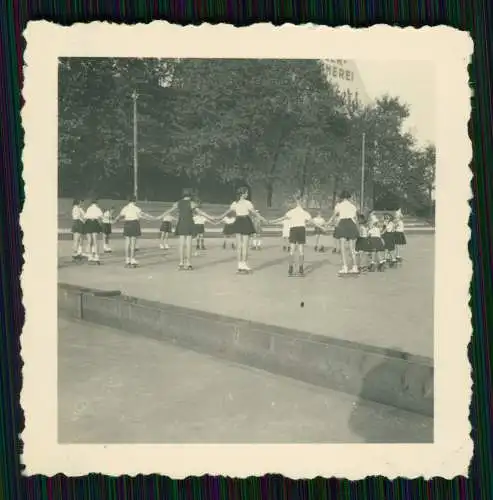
{"points": [[135, 96]]}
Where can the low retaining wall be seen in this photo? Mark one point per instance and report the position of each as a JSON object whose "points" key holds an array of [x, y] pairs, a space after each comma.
{"points": [[382, 375]]}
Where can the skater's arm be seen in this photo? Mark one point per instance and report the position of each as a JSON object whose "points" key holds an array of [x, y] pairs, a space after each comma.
{"points": [[262, 218], [117, 218], [146, 216], [278, 220], [204, 214], [170, 211]]}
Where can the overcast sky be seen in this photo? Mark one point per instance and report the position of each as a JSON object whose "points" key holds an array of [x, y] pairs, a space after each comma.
{"points": [[413, 82]]}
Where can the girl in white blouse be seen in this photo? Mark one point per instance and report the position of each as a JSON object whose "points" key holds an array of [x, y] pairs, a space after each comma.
{"points": [[131, 214], [243, 226], [93, 216], [347, 230], [77, 229]]}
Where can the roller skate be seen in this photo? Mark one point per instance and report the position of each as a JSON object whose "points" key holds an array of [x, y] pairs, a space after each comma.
{"points": [[243, 269], [381, 266], [393, 263], [77, 258], [94, 260], [344, 273]]}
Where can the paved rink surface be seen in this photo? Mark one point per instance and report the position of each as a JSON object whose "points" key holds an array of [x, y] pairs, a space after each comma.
{"points": [[392, 310], [115, 387]]}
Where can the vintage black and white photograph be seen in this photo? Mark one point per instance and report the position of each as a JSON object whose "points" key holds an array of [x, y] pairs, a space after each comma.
{"points": [[246, 250]]}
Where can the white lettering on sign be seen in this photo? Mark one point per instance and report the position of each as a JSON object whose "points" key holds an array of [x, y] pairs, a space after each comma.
{"points": [[340, 73]]}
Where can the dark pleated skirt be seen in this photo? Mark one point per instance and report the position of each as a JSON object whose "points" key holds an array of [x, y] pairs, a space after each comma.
{"points": [[346, 229], [243, 225]]}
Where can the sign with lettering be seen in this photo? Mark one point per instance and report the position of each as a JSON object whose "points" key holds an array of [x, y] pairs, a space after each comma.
{"points": [[345, 75]]}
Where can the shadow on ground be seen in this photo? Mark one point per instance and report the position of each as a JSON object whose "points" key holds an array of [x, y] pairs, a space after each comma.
{"points": [[391, 425]]}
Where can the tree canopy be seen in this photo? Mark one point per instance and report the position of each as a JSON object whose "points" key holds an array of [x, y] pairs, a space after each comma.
{"points": [[277, 123]]}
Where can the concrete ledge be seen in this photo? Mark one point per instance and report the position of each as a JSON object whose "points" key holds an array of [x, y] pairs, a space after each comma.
{"points": [[386, 376]]}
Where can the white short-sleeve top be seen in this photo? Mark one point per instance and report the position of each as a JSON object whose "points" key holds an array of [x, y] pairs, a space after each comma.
{"points": [[242, 207], [199, 219], [389, 227], [298, 217], [346, 210], [131, 212], [399, 226], [94, 212], [77, 213], [374, 232]]}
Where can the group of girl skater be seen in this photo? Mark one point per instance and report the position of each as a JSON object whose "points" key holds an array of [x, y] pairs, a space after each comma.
{"points": [[365, 243]]}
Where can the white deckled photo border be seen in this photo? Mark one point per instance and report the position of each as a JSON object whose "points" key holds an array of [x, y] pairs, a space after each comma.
{"points": [[450, 51]]}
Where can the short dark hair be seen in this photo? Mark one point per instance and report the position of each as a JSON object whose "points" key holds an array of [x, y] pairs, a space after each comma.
{"points": [[241, 191], [132, 198], [75, 202], [345, 195], [187, 192]]}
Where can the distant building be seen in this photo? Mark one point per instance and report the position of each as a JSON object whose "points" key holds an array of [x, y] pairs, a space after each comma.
{"points": [[345, 75]]}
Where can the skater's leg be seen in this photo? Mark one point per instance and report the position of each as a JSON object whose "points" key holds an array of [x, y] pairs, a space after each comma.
{"points": [[301, 258], [245, 243], [343, 254], [127, 249], [352, 251], [181, 249], [75, 244], [188, 254], [133, 244], [239, 251], [291, 249], [95, 252]]}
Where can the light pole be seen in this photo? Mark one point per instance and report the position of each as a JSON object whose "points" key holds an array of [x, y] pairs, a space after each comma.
{"points": [[136, 162]]}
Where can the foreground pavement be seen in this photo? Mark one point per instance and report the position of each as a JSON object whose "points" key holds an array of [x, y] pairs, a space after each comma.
{"points": [[115, 387]]}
